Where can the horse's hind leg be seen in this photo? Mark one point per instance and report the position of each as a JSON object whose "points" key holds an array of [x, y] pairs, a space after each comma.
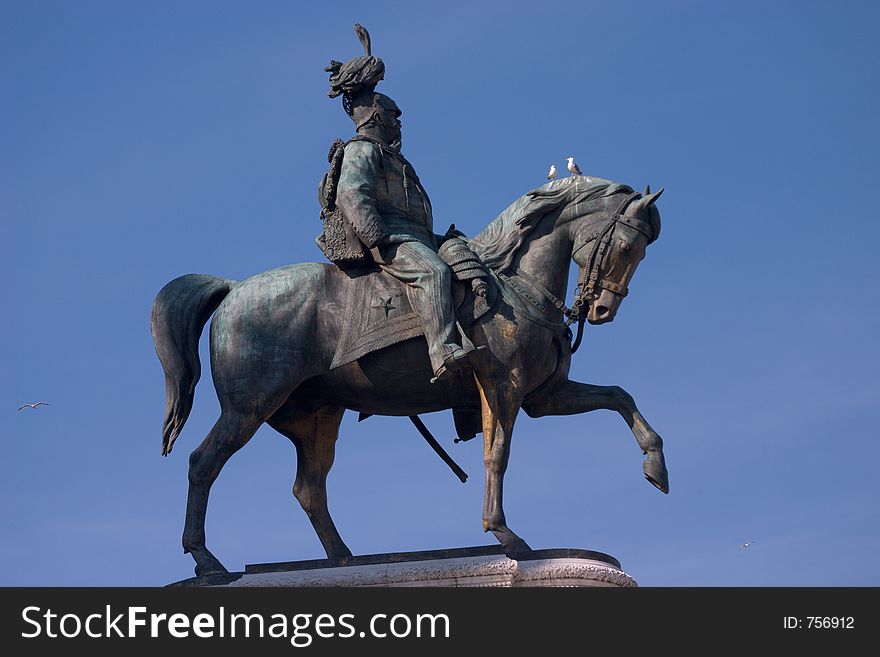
{"points": [[314, 436], [229, 434], [572, 397]]}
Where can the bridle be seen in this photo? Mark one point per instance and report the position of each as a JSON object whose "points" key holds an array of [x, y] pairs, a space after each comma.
{"points": [[589, 284], [590, 281]]}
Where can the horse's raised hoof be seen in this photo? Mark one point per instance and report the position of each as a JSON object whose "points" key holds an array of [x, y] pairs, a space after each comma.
{"points": [[655, 471]]}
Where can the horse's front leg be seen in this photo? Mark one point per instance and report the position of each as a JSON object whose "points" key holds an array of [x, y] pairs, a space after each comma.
{"points": [[572, 397], [501, 397]]}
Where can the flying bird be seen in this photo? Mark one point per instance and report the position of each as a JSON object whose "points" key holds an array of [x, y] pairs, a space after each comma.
{"points": [[34, 405], [573, 168], [552, 173], [746, 544]]}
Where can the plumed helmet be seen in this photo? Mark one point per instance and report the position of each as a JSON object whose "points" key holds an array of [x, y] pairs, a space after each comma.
{"points": [[357, 78]]}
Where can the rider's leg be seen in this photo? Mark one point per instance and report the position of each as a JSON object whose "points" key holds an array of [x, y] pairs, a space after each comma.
{"points": [[429, 289]]}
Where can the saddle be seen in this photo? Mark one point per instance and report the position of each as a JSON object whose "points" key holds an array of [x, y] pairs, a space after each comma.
{"points": [[379, 313]]}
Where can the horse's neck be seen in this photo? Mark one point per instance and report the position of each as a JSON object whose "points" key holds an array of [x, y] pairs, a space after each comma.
{"points": [[546, 256]]}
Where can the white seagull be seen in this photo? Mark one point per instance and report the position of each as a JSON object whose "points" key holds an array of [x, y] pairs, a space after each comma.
{"points": [[573, 168], [552, 173], [746, 544], [34, 405]]}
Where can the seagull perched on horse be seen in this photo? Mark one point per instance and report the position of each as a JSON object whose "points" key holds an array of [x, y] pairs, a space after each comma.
{"points": [[573, 168]]}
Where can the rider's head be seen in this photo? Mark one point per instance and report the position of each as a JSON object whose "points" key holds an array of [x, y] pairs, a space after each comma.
{"points": [[378, 116]]}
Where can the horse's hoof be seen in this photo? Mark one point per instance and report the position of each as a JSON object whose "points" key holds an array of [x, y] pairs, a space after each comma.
{"points": [[210, 565], [339, 553], [655, 471], [510, 542], [218, 569], [515, 547]]}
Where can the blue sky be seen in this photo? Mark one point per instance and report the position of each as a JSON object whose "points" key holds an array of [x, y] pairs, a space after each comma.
{"points": [[141, 142]]}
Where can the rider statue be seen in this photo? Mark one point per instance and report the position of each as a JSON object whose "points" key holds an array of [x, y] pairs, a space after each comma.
{"points": [[380, 196]]}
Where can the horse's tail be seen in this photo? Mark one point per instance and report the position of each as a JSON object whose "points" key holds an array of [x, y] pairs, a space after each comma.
{"points": [[179, 314]]}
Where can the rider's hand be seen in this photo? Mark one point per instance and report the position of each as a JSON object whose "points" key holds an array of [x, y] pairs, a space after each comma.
{"points": [[452, 231]]}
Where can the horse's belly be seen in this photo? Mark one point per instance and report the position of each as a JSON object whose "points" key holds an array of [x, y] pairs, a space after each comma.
{"points": [[392, 381]]}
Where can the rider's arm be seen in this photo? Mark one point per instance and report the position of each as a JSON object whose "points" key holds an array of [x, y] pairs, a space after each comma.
{"points": [[356, 195]]}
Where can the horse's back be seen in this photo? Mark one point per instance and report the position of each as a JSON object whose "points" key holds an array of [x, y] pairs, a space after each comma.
{"points": [[280, 317], [288, 288]]}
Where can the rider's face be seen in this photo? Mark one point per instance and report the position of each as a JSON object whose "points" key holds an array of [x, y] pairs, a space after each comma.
{"points": [[391, 119]]}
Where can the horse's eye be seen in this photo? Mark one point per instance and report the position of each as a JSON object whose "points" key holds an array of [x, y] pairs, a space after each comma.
{"points": [[624, 246]]}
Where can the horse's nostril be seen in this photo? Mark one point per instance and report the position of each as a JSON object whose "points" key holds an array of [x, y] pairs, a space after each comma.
{"points": [[601, 311]]}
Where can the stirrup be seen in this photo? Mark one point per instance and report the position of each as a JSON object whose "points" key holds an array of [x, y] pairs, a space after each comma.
{"points": [[451, 364], [459, 359]]}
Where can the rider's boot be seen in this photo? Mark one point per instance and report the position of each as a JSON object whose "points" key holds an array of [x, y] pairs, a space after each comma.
{"points": [[452, 363]]}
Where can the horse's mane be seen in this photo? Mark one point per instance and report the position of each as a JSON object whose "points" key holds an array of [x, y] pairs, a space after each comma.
{"points": [[499, 242]]}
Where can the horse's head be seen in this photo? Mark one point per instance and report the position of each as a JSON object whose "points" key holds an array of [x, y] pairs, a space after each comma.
{"points": [[608, 247]]}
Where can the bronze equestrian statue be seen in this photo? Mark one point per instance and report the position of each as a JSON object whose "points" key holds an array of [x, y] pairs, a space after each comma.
{"points": [[297, 346]]}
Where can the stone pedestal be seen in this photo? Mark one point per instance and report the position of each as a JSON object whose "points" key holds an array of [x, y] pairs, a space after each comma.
{"points": [[462, 567]]}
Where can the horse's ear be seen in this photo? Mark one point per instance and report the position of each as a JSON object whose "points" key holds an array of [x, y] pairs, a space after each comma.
{"points": [[647, 190], [650, 199]]}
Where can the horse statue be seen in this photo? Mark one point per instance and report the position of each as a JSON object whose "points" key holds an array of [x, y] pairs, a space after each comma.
{"points": [[274, 338]]}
